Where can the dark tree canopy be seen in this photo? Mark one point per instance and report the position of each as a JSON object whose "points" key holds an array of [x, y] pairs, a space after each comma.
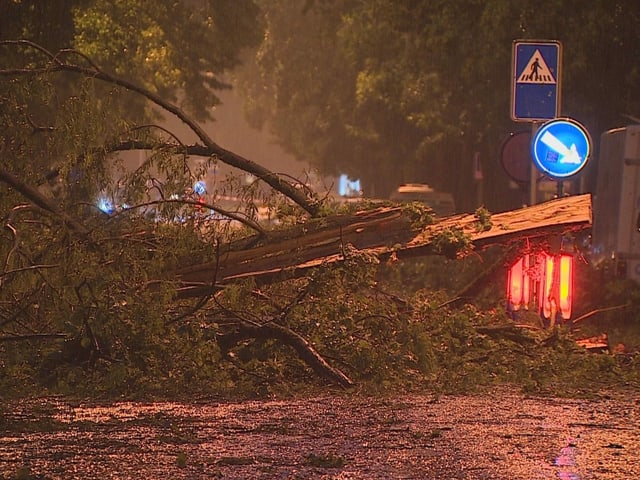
{"points": [[178, 49], [397, 91]]}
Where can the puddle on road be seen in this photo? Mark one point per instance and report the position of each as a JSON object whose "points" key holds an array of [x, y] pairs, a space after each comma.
{"points": [[566, 460]]}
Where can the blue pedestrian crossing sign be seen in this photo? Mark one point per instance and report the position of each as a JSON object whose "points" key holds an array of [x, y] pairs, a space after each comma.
{"points": [[535, 81], [560, 148]]}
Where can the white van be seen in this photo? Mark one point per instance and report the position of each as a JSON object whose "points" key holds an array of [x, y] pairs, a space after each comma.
{"points": [[616, 205], [441, 203]]}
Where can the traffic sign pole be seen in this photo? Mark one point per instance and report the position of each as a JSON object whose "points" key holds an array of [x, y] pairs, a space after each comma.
{"points": [[533, 177], [535, 89]]}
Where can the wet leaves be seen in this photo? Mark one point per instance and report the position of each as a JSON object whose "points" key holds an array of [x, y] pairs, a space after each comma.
{"points": [[329, 460], [614, 445]]}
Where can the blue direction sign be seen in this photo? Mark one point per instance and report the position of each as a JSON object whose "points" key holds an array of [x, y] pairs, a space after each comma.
{"points": [[561, 148], [535, 81]]}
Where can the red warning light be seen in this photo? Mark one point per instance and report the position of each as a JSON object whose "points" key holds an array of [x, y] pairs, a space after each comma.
{"points": [[545, 278], [519, 284], [565, 284], [546, 298], [556, 288]]}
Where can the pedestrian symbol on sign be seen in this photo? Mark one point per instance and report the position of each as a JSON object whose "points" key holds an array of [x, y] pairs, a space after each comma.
{"points": [[536, 71], [535, 80]]}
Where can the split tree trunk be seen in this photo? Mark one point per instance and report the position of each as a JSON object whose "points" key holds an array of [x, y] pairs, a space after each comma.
{"points": [[385, 231]]}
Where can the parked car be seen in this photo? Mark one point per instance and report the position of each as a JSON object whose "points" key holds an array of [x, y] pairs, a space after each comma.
{"points": [[441, 203]]}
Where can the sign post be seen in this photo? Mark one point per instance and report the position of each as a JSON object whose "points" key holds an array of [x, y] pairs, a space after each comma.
{"points": [[535, 89]]}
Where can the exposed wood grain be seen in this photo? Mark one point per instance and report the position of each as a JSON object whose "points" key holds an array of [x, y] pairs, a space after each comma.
{"points": [[383, 231], [549, 218]]}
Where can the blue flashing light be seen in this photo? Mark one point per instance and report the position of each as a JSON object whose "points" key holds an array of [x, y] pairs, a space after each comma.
{"points": [[348, 187], [106, 206], [200, 187]]}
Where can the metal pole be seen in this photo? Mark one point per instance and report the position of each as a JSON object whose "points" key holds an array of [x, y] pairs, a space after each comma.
{"points": [[533, 177]]}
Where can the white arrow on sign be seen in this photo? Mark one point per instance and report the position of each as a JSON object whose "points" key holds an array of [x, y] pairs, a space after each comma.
{"points": [[569, 155]]}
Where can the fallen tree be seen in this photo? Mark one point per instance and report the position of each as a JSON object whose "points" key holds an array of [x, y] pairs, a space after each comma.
{"points": [[382, 233], [72, 272]]}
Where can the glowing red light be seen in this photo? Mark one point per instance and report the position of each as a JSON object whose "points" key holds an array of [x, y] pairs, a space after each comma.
{"points": [[556, 285], [546, 299], [549, 278], [518, 284], [565, 284]]}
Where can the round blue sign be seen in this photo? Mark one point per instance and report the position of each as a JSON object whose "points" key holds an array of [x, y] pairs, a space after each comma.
{"points": [[561, 148]]}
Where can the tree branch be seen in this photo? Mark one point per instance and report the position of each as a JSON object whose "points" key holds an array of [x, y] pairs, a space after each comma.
{"points": [[232, 215], [287, 336], [590, 314], [26, 269], [226, 156], [38, 199]]}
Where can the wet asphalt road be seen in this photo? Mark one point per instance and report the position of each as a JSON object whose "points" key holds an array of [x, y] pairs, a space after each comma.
{"points": [[497, 435]]}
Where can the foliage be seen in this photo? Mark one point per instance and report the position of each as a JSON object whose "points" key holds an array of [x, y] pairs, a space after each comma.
{"points": [[386, 340], [608, 305], [451, 241], [419, 214], [350, 313], [96, 293], [483, 222]]}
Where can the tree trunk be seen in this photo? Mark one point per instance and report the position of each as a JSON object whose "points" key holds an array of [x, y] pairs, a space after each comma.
{"points": [[384, 232]]}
